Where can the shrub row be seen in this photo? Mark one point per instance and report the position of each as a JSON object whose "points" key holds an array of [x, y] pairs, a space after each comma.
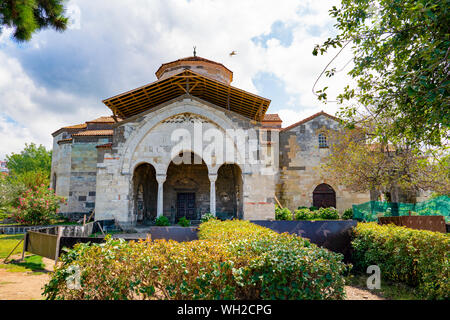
{"points": [[277, 266], [232, 260], [417, 257], [307, 214]]}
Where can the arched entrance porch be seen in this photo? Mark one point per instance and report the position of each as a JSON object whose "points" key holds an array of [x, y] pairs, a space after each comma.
{"points": [[145, 191]]}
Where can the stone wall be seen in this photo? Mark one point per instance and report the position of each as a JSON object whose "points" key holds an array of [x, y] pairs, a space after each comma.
{"points": [[61, 168], [83, 174], [300, 161]]}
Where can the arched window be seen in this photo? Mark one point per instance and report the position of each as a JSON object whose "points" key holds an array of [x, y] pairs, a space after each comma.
{"points": [[323, 141]]}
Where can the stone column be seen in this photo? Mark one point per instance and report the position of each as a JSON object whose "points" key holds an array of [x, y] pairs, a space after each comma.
{"points": [[212, 196], [161, 179]]}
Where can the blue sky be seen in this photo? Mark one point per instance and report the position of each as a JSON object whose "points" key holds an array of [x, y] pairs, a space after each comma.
{"points": [[113, 46]]}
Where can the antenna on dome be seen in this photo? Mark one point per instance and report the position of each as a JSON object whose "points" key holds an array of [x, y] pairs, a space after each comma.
{"points": [[195, 52]]}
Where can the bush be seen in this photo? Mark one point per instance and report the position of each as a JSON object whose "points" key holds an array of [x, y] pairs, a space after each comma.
{"points": [[321, 214], [162, 221], [348, 214], [328, 213], [303, 214], [207, 216], [283, 214], [277, 266], [419, 258], [312, 208], [184, 222], [38, 205], [232, 260]]}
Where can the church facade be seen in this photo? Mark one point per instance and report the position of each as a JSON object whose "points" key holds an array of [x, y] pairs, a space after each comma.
{"points": [[189, 144]]}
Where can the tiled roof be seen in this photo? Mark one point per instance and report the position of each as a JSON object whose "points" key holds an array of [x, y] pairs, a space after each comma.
{"points": [[94, 133], [65, 140], [77, 126], [272, 117], [158, 72], [321, 113], [105, 146], [104, 120]]}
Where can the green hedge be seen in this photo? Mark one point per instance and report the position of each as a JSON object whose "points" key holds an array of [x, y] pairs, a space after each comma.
{"points": [[320, 214], [283, 214], [417, 257], [232, 260], [278, 266]]}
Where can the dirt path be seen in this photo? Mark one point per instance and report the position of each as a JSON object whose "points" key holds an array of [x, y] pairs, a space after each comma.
{"points": [[354, 293], [24, 285]]}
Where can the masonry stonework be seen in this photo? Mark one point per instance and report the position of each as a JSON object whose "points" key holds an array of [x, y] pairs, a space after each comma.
{"points": [[126, 166], [300, 161]]}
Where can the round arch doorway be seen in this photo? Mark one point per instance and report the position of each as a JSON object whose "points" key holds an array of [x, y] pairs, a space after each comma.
{"points": [[145, 191], [324, 196]]}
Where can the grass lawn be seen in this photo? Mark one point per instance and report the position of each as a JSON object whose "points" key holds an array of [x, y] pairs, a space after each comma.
{"points": [[8, 242], [32, 262], [389, 290]]}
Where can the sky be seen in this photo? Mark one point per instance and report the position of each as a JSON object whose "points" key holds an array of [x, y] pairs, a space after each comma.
{"points": [[112, 46]]}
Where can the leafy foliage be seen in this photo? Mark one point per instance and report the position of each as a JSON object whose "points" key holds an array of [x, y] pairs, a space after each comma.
{"points": [[400, 66], [205, 217], [38, 206], [162, 221], [184, 222], [283, 214], [31, 159], [29, 16], [348, 214], [417, 257], [232, 260], [321, 214], [360, 164]]}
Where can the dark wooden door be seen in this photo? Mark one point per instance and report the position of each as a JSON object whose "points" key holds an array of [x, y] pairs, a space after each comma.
{"points": [[324, 196], [186, 205]]}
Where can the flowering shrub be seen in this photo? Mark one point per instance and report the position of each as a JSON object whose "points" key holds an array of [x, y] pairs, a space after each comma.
{"points": [[418, 257], [232, 260], [38, 205]]}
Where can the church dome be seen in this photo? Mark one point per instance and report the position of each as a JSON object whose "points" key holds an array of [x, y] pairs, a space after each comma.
{"points": [[205, 67]]}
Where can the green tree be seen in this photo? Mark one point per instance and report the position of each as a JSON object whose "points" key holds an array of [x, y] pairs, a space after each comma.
{"points": [[29, 16], [31, 159], [400, 66]]}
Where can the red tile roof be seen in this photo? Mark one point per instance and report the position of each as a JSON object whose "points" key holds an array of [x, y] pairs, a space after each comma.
{"points": [[159, 71], [80, 127], [269, 117], [94, 133], [321, 113], [104, 120]]}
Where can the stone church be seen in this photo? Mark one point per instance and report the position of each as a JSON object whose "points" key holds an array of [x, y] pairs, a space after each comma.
{"points": [[190, 143]]}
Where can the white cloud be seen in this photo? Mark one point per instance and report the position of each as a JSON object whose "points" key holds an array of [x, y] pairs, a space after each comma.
{"points": [[60, 79]]}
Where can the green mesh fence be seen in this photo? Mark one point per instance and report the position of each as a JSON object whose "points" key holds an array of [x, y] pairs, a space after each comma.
{"points": [[370, 211]]}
